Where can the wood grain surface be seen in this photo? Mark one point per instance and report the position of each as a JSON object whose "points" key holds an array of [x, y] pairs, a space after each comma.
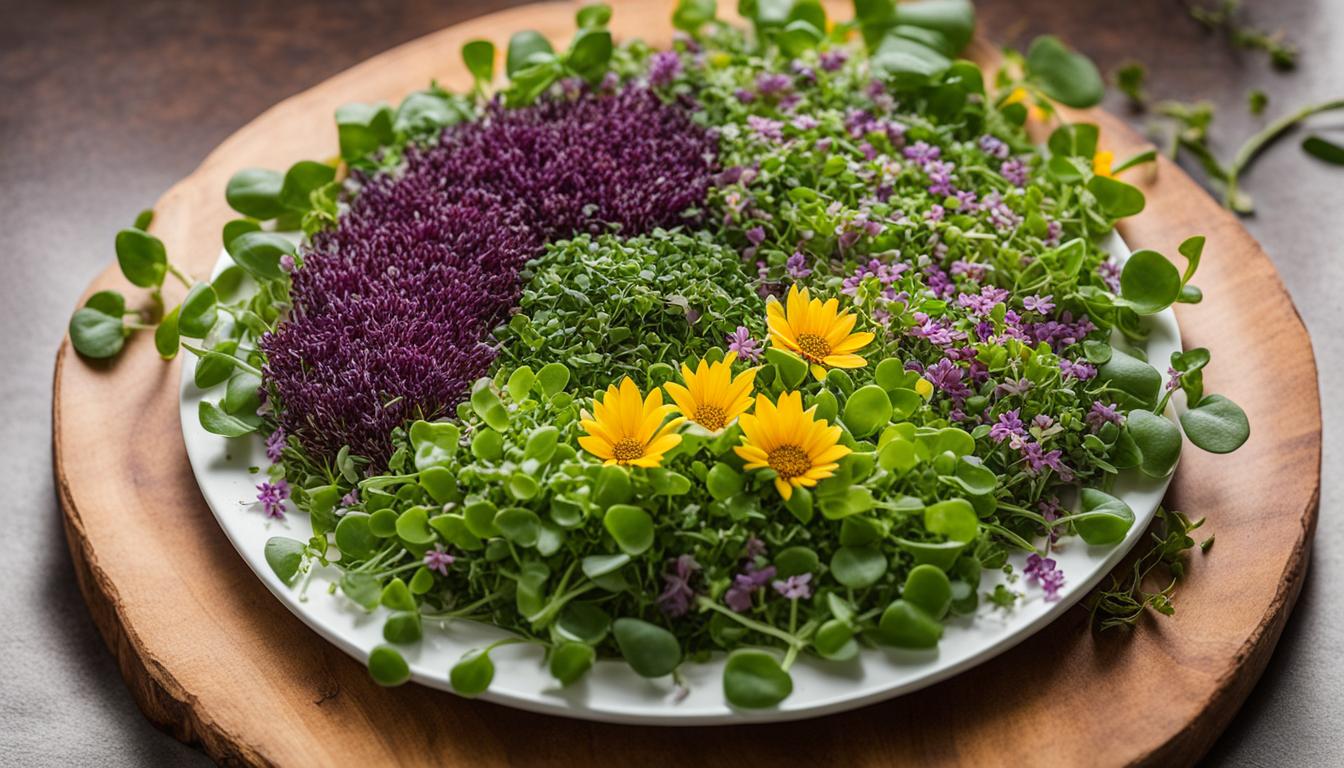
{"points": [[215, 660]]}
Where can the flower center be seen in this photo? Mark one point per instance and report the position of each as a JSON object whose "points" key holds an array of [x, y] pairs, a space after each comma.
{"points": [[627, 449], [710, 417], [789, 461], [813, 347]]}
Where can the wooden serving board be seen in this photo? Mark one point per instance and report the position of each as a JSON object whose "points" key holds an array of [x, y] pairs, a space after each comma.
{"points": [[215, 660]]}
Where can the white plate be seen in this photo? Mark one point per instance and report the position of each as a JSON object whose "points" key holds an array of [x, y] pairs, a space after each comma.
{"points": [[611, 691]]}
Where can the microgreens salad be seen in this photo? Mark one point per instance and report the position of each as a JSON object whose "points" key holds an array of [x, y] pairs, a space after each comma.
{"points": [[769, 343]]}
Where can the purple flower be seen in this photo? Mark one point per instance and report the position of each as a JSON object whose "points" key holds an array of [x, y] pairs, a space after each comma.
{"points": [[805, 122], [935, 213], [1110, 274], [946, 376], [922, 153], [1009, 423], [756, 235], [664, 67], [1015, 171], [287, 264], [993, 146], [438, 559], [747, 584], [1043, 570], [833, 59], [1042, 421], [272, 497], [797, 266], [1051, 511], [741, 342], [1053, 230], [765, 128], [393, 308], [350, 499], [771, 83], [755, 548], [275, 445], [1079, 369], [795, 587], [1036, 303], [1103, 413], [744, 96], [1038, 460], [1000, 214], [677, 593], [940, 176], [1010, 387], [1173, 378]]}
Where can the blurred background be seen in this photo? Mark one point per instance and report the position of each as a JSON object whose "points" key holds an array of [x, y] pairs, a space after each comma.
{"points": [[103, 105]]}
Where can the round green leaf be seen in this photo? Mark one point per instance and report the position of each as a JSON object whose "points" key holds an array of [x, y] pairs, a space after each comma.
{"points": [[858, 567], [110, 303], [197, 314], [835, 641], [795, 561], [387, 667], [1149, 283], [1116, 198], [301, 180], [479, 56], [1216, 424], [255, 193], [413, 526], [753, 679], [522, 46], [285, 556], [954, 518], [631, 527], [397, 596], [95, 334], [472, 675], [236, 227], [259, 253], [552, 378], [435, 443], [1158, 441], [1067, 77], [906, 625], [583, 623], [217, 422], [570, 661], [519, 525], [1104, 519], [166, 338], [867, 410], [142, 258], [938, 554], [928, 588], [649, 649], [354, 538], [402, 628]]}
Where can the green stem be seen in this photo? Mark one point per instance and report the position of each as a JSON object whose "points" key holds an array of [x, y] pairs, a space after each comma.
{"points": [[1012, 537], [765, 629], [1267, 136], [181, 276]]}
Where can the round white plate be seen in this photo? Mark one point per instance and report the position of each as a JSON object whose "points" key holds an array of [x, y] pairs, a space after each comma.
{"points": [[611, 691]]}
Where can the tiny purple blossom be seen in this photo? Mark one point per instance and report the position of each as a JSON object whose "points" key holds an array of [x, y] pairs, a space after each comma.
{"points": [[1035, 303], [272, 497], [993, 146], [677, 593], [794, 587], [287, 264], [1080, 369], [275, 445], [1110, 274], [1043, 570], [1173, 378], [772, 83], [1015, 171], [1009, 423], [1103, 413], [664, 67], [833, 59], [741, 342], [438, 559], [745, 585], [797, 266], [765, 128]]}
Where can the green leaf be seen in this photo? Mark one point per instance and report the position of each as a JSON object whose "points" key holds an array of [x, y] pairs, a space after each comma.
{"points": [[596, 566], [301, 180], [906, 61], [589, 53], [552, 378], [387, 667], [236, 227], [953, 19], [593, 16], [285, 556], [1191, 248], [570, 661], [413, 526], [402, 627], [1321, 149], [259, 253], [242, 397], [867, 410], [954, 518], [1104, 519], [797, 37], [1158, 441], [792, 369], [795, 561], [754, 679], [858, 567], [1216, 425], [143, 219], [166, 338], [941, 555], [110, 303], [217, 422], [929, 589], [362, 129], [972, 477], [649, 649], [255, 193], [631, 527], [835, 641], [197, 314], [519, 525], [691, 15], [354, 538], [479, 56], [427, 112], [1065, 76], [397, 596], [1117, 199], [521, 47], [472, 674], [142, 258], [1131, 376], [583, 623], [362, 588], [906, 625], [95, 334], [1149, 283], [435, 443]]}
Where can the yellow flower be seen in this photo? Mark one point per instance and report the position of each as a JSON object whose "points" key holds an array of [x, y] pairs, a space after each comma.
{"points": [[1019, 96], [627, 428], [1101, 163], [816, 332], [799, 447], [712, 397]]}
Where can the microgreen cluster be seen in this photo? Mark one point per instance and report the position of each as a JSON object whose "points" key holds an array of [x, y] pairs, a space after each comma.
{"points": [[771, 343]]}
